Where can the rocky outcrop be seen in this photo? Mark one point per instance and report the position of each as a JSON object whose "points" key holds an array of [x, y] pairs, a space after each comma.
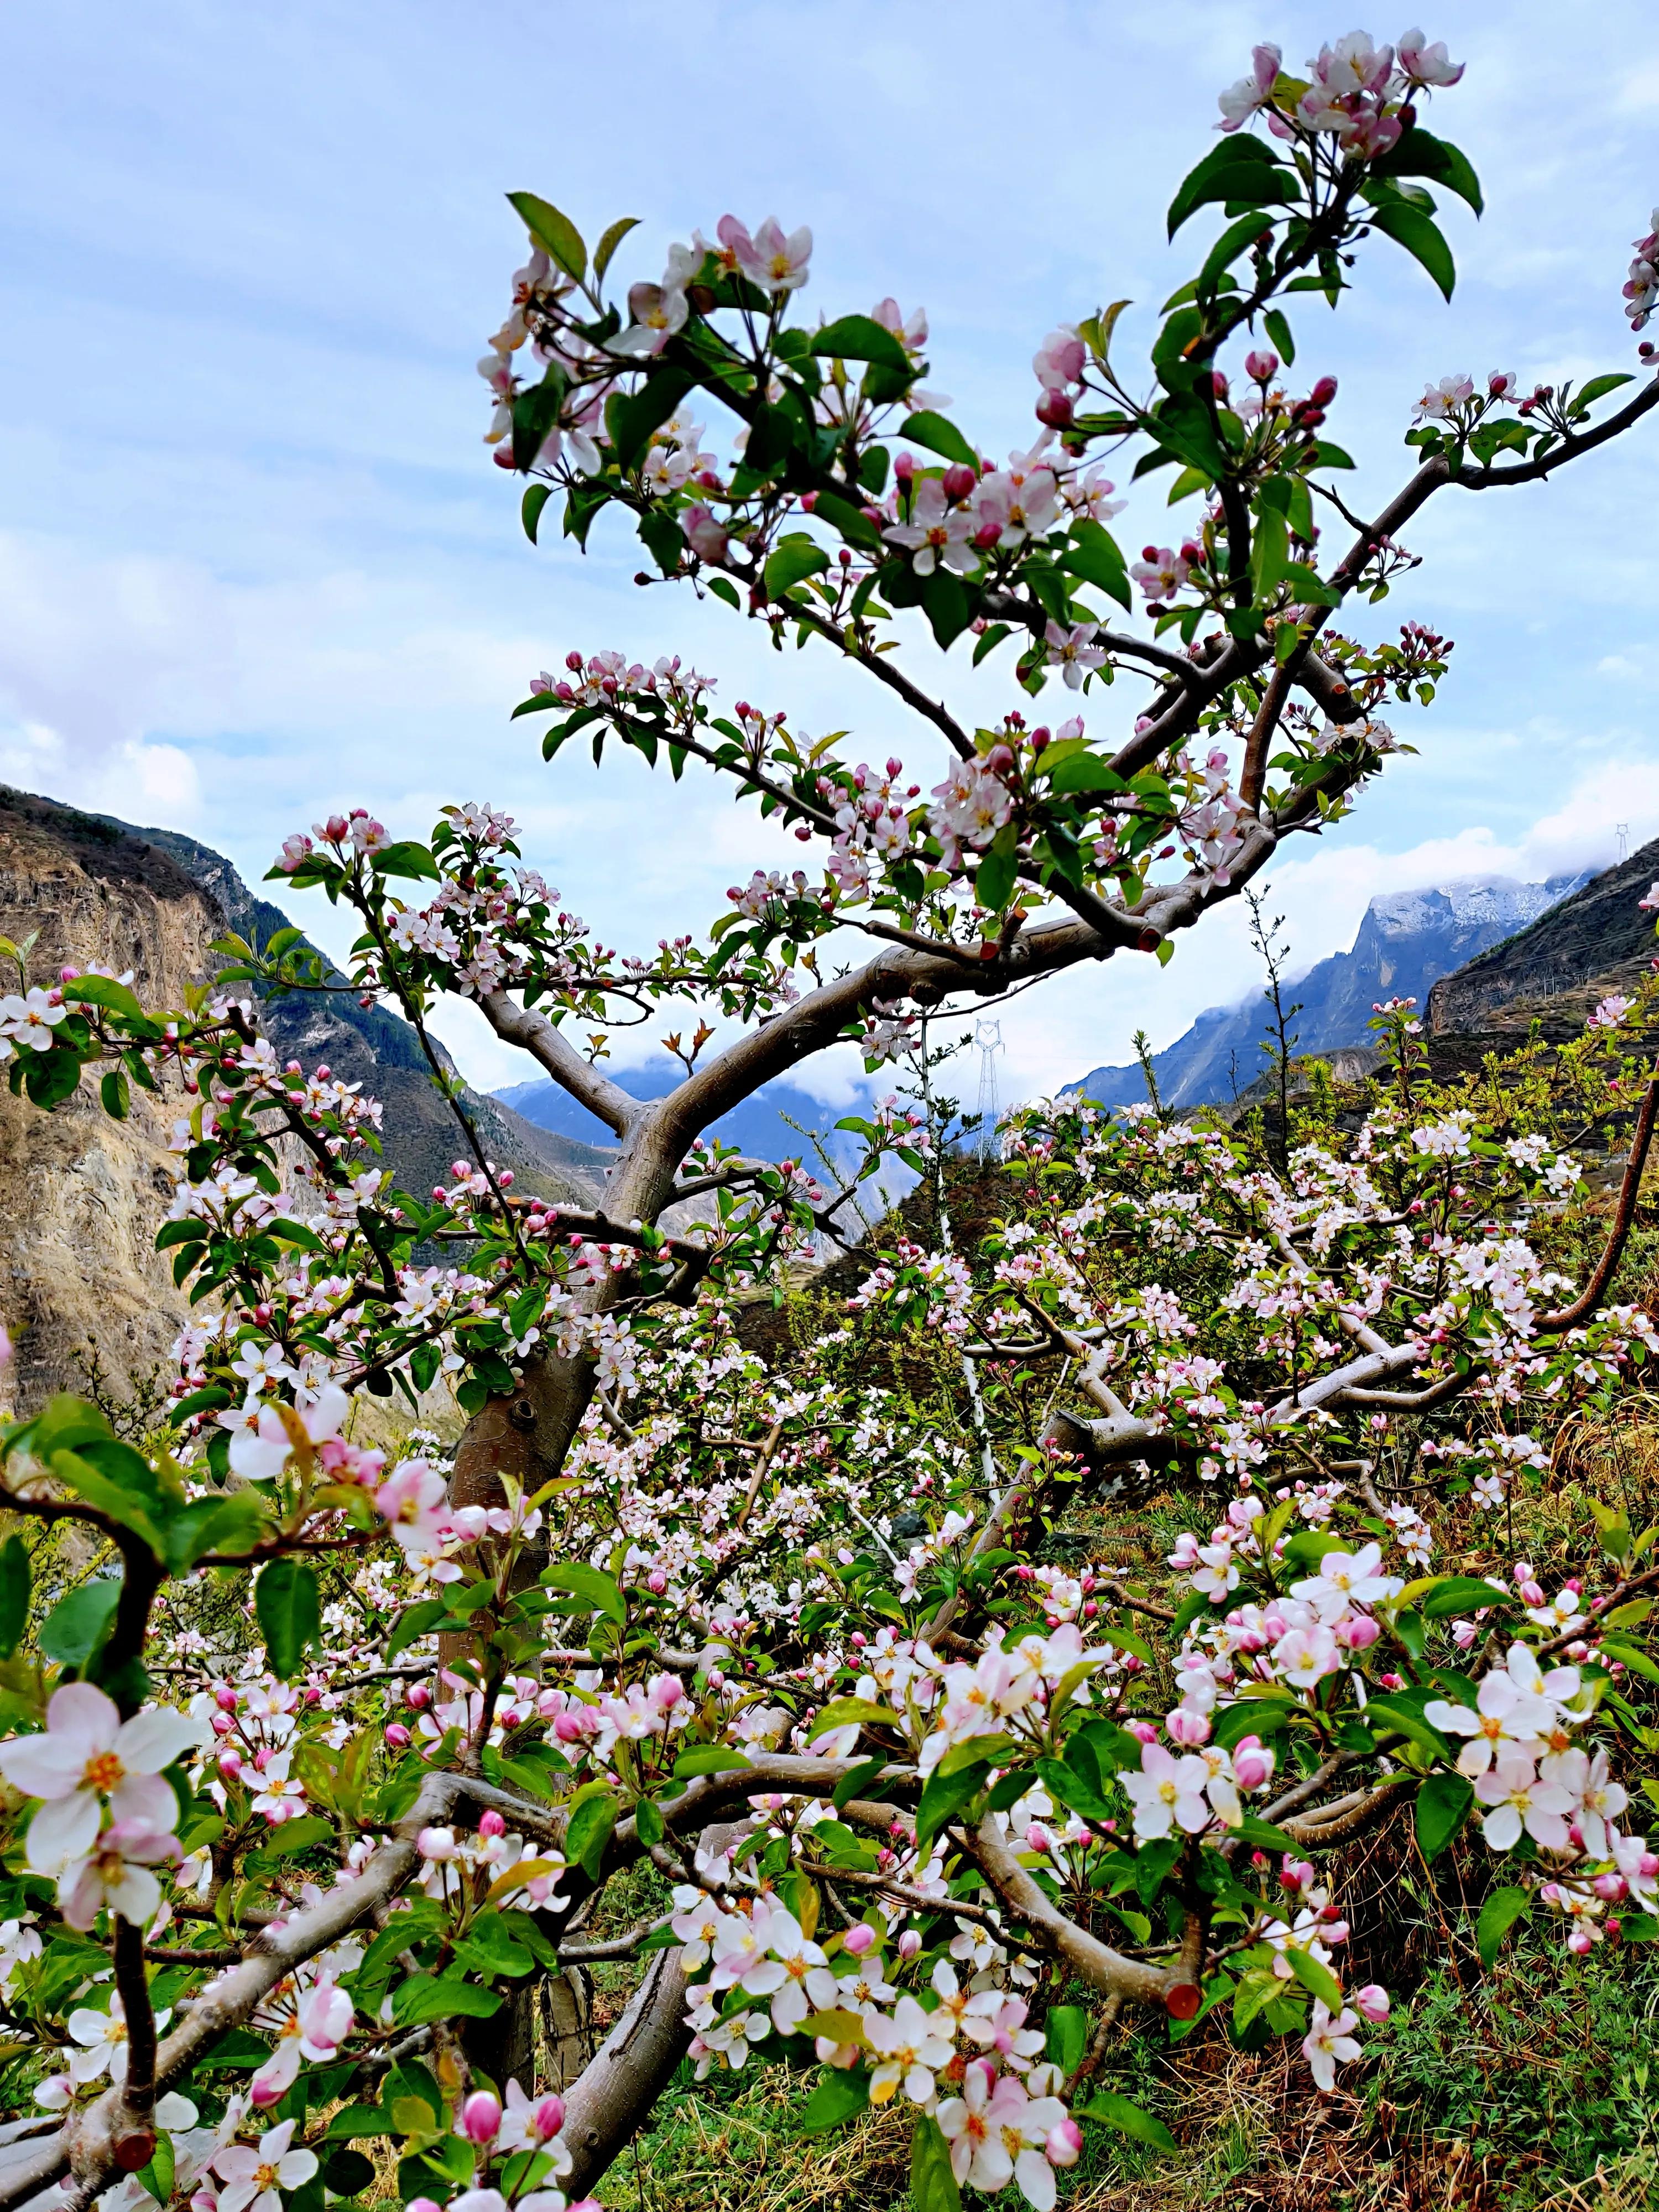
{"points": [[80, 1194]]}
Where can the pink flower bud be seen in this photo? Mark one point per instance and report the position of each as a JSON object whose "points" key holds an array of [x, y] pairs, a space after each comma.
{"points": [[418, 1696], [1359, 1633], [909, 1943], [1324, 392], [1064, 2142], [1262, 366], [904, 467], [423, 2204], [225, 1698], [548, 2117], [1144, 1731], [230, 1766], [858, 1940], [491, 1824], [1372, 2002], [1218, 384], [481, 2117], [1055, 409], [958, 481], [1186, 1726], [565, 1728], [221, 1724], [399, 1737]]}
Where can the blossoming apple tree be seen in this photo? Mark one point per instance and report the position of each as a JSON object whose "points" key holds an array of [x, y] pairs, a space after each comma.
{"points": [[924, 1815]]}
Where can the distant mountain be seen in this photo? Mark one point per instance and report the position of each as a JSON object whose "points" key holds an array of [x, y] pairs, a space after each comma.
{"points": [[1405, 943], [760, 1127], [1595, 942]]}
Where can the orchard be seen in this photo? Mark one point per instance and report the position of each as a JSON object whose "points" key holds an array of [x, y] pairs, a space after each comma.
{"points": [[761, 1677]]}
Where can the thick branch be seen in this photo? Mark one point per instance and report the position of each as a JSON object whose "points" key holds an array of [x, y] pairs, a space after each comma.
{"points": [[534, 1034]]}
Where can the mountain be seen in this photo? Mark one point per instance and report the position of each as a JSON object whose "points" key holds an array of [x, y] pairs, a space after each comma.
{"points": [[80, 1196], [1405, 943], [1595, 942], [761, 1126]]}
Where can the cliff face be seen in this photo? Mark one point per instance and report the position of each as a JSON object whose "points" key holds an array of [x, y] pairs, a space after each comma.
{"points": [[80, 1196]]}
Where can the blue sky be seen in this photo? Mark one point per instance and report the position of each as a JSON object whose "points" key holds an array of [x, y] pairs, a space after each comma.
{"points": [[255, 562]]}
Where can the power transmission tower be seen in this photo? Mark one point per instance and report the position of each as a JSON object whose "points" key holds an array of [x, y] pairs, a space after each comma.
{"points": [[1621, 830], [988, 1035]]}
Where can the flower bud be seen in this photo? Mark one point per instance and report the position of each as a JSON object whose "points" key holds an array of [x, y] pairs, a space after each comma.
{"points": [[221, 1724], [1372, 2002], [491, 1823], [398, 1736], [225, 1698], [1144, 1729], [1186, 1726], [1064, 2142], [909, 1943], [1324, 392], [230, 1766], [1054, 408], [418, 1696], [859, 1940], [422, 2205], [481, 2117], [1262, 366], [547, 2117], [904, 467], [958, 482]]}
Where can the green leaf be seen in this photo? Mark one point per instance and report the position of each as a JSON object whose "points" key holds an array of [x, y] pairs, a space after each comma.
{"points": [[116, 1095], [942, 1799], [589, 1830], [933, 2185], [1280, 331], [1067, 2037], [1093, 555], [1228, 248], [861, 338], [554, 233], [631, 419], [1085, 771], [795, 556], [1417, 233], [535, 499], [852, 523], [926, 429], [1462, 1594], [414, 1620], [1400, 1712], [708, 1759], [1443, 1805], [1129, 2119], [946, 603], [1262, 1836], [1498, 1916], [77, 1624], [1240, 170], [601, 1592], [1319, 1980], [837, 2098], [613, 235], [993, 881], [1419, 154], [15, 1583], [104, 991], [289, 1611], [1598, 387], [406, 858], [840, 1713], [424, 1997]]}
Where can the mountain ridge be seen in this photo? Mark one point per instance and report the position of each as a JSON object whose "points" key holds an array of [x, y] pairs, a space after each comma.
{"points": [[1406, 941]]}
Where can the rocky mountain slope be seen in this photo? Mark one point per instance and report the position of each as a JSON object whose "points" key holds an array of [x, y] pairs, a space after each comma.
{"points": [[1595, 942], [1405, 943], [80, 1196]]}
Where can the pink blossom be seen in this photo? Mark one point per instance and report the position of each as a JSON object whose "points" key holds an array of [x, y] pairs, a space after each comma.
{"points": [[1241, 101]]}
